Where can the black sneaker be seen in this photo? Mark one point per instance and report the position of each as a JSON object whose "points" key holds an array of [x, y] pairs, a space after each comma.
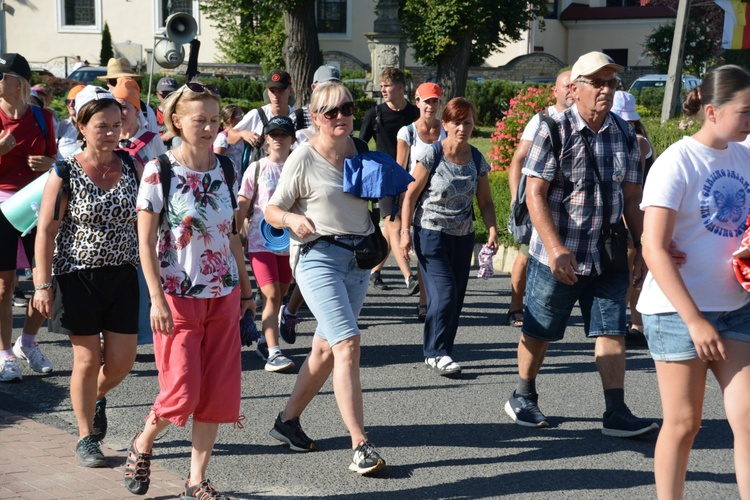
{"points": [[622, 423], [377, 282], [288, 326], [291, 433], [524, 410], [100, 420], [89, 453], [412, 285], [366, 459], [19, 299]]}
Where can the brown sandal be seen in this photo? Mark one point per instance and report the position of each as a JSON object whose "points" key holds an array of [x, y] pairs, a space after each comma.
{"points": [[203, 490], [137, 470]]}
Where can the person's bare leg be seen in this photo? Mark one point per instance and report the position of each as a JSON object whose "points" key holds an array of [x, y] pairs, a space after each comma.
{"points": [[295, 301], [682, 386], [119, 355], [87, 361], [517, 284], [734, 378], [7, 284], [609, 354], [154, 425], [273, 292], [204, 437], [531, 354], [394, 235], [348, 389], [312, 375]]}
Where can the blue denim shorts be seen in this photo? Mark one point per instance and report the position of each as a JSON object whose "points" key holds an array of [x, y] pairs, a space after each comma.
{"points": [[669, 339], [550, 302], [334, 288]]}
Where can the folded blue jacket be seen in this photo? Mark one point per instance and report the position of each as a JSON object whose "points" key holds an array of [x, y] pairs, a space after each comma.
{"points": [[374, 175]]}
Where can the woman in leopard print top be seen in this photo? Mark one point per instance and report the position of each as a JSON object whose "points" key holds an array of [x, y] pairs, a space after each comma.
{"points": [[85, 276]]}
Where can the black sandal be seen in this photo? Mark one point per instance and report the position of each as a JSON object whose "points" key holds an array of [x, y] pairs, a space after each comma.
{"points": [[421, 312], [515, 318], [137, 470], [203, 490]]}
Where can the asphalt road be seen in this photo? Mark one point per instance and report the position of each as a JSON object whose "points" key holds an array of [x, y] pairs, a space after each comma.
{"points": [[441, 438]]}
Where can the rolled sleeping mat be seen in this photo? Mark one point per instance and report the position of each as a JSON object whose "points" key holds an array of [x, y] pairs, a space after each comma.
{"points": [[22, 209], [276, 240]]}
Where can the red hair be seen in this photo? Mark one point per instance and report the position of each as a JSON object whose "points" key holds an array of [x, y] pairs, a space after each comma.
{"points": [[459, 109]]}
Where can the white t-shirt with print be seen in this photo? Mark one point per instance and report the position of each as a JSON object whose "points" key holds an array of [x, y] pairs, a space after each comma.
{"points": [[416, 143], [268, 179], [710, 191], [193, 244]]}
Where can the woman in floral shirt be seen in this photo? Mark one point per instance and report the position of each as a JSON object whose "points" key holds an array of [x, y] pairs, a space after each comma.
{"points": [[193, 261]]}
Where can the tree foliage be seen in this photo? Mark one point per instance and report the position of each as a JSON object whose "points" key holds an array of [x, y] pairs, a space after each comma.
{"points": [[453, 34], [107, 52], [251, 31]]}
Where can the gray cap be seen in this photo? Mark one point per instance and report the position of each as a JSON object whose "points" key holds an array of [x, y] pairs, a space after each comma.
{"points": [[167, 84], [326, 73]]}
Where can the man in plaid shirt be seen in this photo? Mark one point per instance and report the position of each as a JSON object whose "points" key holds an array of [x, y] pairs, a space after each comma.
{"points": [[566, 204]]}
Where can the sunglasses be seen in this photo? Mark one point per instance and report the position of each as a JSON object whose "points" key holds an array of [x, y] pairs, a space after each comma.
{"points": [[598, 83], [3, 75], [165, 94], [346, 109], [200, 88]]}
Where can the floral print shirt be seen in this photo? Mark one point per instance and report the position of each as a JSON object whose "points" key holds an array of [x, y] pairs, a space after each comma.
{"points": [[193, 242]]}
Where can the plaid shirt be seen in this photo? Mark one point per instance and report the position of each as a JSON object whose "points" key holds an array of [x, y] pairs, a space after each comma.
{"points": [[575, 196]]}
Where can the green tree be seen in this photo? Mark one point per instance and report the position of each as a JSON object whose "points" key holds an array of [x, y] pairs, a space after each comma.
{"points": [[107, 51], [277, 34], [454, 34], [251, 31]]}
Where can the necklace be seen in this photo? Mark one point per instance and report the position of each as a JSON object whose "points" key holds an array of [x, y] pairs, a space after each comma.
{"points": [[104, 174]]}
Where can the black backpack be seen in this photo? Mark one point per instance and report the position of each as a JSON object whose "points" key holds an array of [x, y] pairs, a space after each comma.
{"points": [[249, 153]]}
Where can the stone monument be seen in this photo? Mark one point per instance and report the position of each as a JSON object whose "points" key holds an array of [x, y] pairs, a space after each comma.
{"points": [[387, 43]]}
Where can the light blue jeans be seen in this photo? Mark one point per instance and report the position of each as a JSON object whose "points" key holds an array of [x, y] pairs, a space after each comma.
{"points": [[334, 288]]}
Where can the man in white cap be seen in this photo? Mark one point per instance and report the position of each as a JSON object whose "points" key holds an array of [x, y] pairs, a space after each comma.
{"points": [[592, 174]]}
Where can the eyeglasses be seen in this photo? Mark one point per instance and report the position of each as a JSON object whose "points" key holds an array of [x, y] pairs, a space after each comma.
{"points": [[200, 88], [598, 83], [165, 94], [346, 109]]}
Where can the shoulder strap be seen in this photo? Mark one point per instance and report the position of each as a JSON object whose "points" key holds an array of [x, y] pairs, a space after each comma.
{"points": [[263, 117], [554, 136], [140, 142], [360, 145], [228, 167], [299, 115], [39, 116], [124, 156], [63, 171], [165, 175]]}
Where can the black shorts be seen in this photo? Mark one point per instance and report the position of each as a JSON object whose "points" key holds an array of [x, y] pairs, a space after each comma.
{"points": [[92, 300], [9, 244]]}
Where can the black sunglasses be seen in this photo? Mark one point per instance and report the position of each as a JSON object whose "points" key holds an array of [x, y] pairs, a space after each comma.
{"points": [[346, 109], [199, 88], [598, 83]]}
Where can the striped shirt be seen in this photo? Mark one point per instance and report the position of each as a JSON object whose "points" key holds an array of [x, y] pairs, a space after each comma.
{"points": [[575, 195]]}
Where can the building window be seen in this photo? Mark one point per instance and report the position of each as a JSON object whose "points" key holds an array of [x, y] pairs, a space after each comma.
{"points": [[334, 19], [551, 9], [165, 8], [619, 56], [82, 16], [625, 3]]}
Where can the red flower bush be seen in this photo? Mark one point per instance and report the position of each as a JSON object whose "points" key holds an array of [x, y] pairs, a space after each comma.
{"points": [[521, 108]]}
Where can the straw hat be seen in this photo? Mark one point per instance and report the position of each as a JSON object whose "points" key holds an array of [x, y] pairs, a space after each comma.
{"points": [[117, 68]]}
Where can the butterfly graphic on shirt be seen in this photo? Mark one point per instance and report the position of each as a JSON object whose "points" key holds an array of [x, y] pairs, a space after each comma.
{"points": [[731, 207]]}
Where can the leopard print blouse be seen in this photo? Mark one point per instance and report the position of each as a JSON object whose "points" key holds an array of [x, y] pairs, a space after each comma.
{"points": [[98, 228]]}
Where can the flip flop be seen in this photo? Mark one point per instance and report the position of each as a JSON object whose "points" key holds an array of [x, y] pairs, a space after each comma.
{"points": [[515, 318]]}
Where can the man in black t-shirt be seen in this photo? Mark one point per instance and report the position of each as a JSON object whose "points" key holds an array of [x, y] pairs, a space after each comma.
{"points": [[383, 123]]}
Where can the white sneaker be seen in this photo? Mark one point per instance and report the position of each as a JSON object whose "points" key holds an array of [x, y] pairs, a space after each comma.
{"points": [[33, 355], [9, 370]]}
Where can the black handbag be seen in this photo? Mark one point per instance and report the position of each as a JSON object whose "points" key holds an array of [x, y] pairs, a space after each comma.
{"points": [[613, 241], [369, 252]]}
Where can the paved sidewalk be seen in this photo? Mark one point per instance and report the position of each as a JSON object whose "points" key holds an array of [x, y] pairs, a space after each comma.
{"points": [[37, 462]]}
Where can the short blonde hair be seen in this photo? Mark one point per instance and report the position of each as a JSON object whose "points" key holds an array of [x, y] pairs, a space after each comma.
{"points": [[25, 90], [176, 100], [328, 95]]}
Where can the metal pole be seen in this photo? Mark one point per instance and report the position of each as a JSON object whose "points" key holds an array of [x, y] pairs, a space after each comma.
{"points": [[151, 70], [674, 77]]}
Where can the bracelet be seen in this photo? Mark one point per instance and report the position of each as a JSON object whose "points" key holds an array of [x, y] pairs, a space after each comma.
{"points": [[43, 286], [283, 218], [405, 231], [246, 298]]}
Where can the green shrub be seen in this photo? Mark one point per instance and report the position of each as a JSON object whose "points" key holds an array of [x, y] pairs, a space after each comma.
{"points": [[491, 98], [501, 199], [672, 131]]}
